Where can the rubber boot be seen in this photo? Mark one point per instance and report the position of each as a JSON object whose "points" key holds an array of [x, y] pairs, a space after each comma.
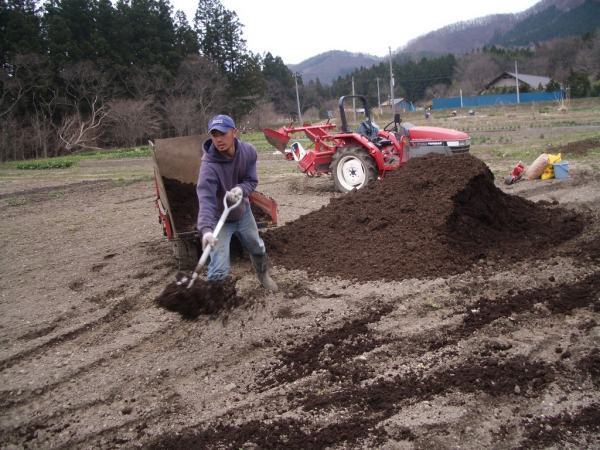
{"points": [[261, 265]]}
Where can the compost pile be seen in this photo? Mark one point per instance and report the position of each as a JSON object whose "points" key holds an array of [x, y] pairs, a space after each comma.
{"points": [[435, 216], [184, 205], [204, 297]]}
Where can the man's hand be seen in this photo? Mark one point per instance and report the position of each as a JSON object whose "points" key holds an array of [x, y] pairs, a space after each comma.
{"points": [[234, 195], [208, 238]]}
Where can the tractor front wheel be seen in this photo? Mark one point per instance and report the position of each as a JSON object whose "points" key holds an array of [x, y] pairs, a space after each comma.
{"points": [[352, 168]]}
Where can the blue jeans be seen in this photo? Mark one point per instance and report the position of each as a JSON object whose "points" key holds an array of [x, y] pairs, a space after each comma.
{"points": [[246, 230]]}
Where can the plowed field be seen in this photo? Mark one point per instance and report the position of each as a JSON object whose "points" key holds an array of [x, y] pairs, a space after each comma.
{"points": [[436, 309]]}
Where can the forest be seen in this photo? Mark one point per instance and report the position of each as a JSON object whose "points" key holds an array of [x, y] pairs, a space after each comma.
{"points": [[90, 74]]}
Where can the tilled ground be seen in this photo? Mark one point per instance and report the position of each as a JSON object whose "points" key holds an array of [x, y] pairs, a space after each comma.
{"points": [[502, 351]]}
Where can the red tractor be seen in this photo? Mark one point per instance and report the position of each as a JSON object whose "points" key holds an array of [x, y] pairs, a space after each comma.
{"points": [[355, 158]]}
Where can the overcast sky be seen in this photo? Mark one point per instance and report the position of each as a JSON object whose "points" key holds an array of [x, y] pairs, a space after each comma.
{"points": [[298, 30]]}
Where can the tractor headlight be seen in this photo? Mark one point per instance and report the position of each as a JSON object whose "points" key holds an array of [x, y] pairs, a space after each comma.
{"points": [[463, 143]]}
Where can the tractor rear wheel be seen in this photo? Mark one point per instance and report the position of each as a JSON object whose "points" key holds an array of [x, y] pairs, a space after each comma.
{"points": [[352, 168]]}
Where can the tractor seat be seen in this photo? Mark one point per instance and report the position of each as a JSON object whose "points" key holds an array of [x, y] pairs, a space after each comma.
{"points": [[368, 129]]}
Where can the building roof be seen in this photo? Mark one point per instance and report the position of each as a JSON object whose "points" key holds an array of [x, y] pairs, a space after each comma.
{"points": [[396, 101], [532, 80]]}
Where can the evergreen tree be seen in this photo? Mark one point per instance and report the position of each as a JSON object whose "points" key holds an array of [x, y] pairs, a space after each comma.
{"points": [[279, 83], [69, 26], [220, 37], [186, 39], [104, 35], [20, 29], [220, 34], [579, 84], [247, 84], [147, 34], [553, 86]]}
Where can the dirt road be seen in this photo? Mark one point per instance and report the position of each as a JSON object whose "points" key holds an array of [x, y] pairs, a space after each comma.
{"points": [[500, 355]]}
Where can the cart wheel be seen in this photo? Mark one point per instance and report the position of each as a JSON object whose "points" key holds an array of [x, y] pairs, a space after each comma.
{"points": [[186, 253], [352, 168]]}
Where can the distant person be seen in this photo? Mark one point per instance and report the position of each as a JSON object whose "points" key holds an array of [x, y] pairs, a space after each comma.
{"points": [[228, 170], [427, 113]]}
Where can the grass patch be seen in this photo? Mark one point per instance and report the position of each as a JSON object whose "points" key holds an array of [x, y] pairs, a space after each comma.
{"points": [[131, 179], [65, 162], [56, 194], [257, 138], [515, 154], [137, 152], [62, 162], [16, 201]]}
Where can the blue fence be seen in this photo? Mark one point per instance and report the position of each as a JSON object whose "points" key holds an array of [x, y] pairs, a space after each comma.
{"points": [[499, 99]]}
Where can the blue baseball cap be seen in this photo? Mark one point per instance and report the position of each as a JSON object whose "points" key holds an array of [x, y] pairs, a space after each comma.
{"points": [[221, 123]]}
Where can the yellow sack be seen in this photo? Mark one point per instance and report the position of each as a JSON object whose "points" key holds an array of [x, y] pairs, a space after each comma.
{"points": [[549, 169]]}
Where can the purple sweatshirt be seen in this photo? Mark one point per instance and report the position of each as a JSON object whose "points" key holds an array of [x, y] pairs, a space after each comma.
{"points": [[219, 174]]}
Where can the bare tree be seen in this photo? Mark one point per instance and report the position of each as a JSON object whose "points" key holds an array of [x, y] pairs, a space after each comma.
{"points": [[556, 58], [474, 71], [45, 104], [588, 58], [260, 116], [85, 93], [436, 91], [18, 77], [11, 93], [145, 82], [132, 121], [194, 95], [182, 114], [77, 131], [83, 83]]}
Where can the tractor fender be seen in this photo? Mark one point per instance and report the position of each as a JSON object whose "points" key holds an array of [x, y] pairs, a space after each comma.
{"points": [[371, 148]]}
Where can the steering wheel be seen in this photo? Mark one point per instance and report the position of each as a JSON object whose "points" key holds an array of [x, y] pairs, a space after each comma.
{"points": [[386, 127]]}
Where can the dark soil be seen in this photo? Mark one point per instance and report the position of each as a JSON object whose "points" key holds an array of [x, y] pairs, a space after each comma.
{"points": [[277, 434], [491, 375], [543, 432], [590, 364], [434, 217], [184, 205], [329, 350], [204, 297], [578, 148], [561, 299]]}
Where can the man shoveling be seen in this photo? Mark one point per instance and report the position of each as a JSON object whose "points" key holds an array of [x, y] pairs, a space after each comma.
{"points": [[228, 171]]}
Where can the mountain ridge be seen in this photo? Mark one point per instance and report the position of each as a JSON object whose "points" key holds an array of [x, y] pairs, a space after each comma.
{"points": [[543, 21], [329, 65]]}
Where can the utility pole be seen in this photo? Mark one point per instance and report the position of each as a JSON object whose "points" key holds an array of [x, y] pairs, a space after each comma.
{"points": [[517, 79], [353, 100], [296, 74], [392, 105], [378, 97]]}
